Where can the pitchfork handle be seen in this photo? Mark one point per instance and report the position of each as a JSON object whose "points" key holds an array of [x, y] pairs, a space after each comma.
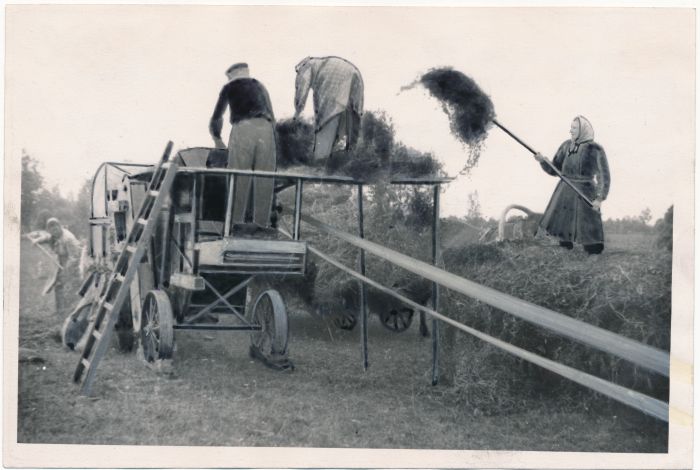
{"points": [[551, 165]]}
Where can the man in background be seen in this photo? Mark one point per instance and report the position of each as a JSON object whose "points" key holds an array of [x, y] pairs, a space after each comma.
{"points": [[67, 250], [338, 101]]}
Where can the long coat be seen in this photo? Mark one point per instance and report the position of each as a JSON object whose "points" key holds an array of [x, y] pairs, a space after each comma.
{"points": [[567, 216]]}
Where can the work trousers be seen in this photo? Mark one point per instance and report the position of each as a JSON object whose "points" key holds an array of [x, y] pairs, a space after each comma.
{"points": [[345, 124], [66, 290], [252, 147]]}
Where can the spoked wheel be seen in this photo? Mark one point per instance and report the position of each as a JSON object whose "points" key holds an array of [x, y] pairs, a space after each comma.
{"points": [[345, 320], [397, 320], [269, 344], [157, 338]]}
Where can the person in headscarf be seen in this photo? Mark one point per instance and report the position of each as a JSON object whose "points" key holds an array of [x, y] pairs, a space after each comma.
{"points": [[338, 101], [568, 217], [251, 144], [67, 249]]}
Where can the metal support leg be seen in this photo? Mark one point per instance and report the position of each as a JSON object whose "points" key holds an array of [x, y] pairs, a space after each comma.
{"points": [[297, 208], [436, 287], [363, 287]]}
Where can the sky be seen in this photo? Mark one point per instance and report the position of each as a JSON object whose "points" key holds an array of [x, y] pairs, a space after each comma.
{"points": [[87, 84]]}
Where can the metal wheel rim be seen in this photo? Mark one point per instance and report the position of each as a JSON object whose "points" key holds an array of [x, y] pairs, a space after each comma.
{"points": [[265, 317], [150, 329]]}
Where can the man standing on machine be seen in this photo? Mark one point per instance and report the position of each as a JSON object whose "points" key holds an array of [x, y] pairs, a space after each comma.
{"points": [[251, 144]]}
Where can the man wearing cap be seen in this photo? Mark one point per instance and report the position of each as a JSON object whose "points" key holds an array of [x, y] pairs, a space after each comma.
{"points": [[67, 249], [251, 144], [338, 100]]}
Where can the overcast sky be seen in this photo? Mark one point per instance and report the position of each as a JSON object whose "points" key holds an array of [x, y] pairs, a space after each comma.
{"points": [[87, 84]]}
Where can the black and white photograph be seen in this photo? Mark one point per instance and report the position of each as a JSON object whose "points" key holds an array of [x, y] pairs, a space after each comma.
{"points": [[349, 236]]}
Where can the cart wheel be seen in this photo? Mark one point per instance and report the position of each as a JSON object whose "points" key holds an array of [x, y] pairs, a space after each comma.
{"points": [[75, 326], [270, 313], [157, 336], [397, 320], [345, 320]]}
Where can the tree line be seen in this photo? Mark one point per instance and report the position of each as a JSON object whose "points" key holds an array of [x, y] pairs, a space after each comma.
{"points": [[39, 203]]}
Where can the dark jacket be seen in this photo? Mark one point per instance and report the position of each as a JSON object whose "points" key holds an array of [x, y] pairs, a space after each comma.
{"points": [[246, 98], [567, 216]]}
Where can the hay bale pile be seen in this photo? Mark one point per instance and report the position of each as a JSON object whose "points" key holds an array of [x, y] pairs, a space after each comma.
{"points": [[626, 293]]}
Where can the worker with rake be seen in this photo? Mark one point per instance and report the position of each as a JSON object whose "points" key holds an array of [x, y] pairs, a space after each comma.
{"points": [[338, 101], [66, 249], [251, 144], [583, 162]]}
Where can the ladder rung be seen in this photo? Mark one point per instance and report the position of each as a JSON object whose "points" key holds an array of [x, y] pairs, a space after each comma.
{"points": [[131, 248], [153, 193], [119, 278], [107, 306], [85, 363], [142, 221], [96, 334]]}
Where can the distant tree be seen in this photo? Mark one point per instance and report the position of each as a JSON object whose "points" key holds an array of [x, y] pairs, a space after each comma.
{"points": [[81, 209], [645, 216], [474, 208], [32, 184], [664, 230]]}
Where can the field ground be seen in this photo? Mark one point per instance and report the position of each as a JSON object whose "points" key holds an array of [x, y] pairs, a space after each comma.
{"points": [[214, 394]]}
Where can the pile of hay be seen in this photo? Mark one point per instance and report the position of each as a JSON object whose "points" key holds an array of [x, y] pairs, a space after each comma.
{"points": [[623, 292], [295, 141], [375, 158]]}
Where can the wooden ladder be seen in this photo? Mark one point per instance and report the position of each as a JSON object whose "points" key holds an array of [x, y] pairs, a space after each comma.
{"points": [[106, 310]]}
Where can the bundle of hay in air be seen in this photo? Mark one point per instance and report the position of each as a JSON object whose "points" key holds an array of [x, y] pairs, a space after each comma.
{"points": [[469, 109]]}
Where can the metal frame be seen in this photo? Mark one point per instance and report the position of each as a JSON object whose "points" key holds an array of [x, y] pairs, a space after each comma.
{"points": [[287, 180], [283, 181]]}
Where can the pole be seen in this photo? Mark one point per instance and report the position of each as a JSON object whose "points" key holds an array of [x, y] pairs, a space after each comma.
{"points": [[551, 165], [436, 286], [363, 287]]}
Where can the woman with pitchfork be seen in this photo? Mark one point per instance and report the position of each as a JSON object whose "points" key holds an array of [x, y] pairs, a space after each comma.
{"points": [[583, 162]]}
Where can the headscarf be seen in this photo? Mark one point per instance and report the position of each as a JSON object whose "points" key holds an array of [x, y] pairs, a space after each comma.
{"points": [[585, 133]]}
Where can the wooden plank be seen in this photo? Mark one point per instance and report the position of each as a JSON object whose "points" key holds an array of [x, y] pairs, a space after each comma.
{"points": [[604, 340], [639, 401]]}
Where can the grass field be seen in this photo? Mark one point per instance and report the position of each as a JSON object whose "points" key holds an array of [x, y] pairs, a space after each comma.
{"points": [[214, 394]]}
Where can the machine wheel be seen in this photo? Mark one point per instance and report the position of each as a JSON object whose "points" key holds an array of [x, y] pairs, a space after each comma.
{"points": [[345, 320], [397, 320], [125, 338], [124, 328], [157, 334], [75, 326], [270, 313]]}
